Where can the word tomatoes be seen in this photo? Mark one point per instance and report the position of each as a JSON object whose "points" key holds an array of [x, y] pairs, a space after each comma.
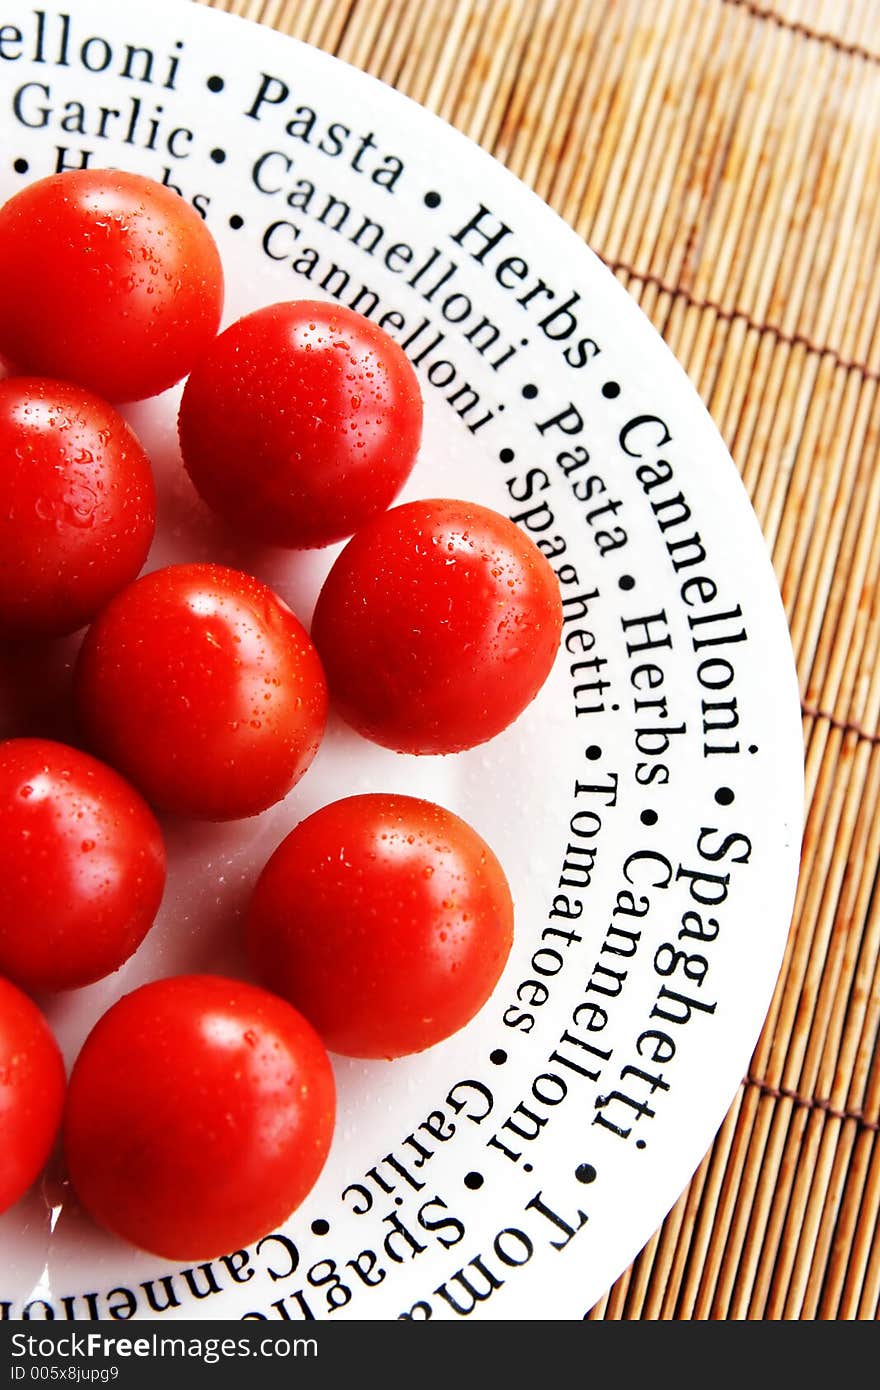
{"points": [[78, 510], [82, 864], [201, 686], [301, 422], [437, 625], [386, 919], [32, 1085], [110, 280], [199, 1115]]}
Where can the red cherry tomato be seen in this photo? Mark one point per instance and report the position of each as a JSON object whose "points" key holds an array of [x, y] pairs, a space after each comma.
{"points": [[31, 1093], [386, 920], [437, 625], [82, 865], [202, 687], [78, 509], [199, 1115], [301, 422], [109, 279]]}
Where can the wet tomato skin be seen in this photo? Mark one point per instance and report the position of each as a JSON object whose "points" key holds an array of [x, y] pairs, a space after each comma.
{"points": [[301, 422], [437, 624], [109, 279], [200, 1112], [386, 920], [82, 864], [78, 508], [201, 686], [32, 1084]]}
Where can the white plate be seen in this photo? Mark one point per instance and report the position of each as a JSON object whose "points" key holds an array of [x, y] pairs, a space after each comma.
{"points": [[520, 1166]]}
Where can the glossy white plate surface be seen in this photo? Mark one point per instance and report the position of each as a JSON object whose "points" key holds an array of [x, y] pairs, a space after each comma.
{"points": [[647, 807]]}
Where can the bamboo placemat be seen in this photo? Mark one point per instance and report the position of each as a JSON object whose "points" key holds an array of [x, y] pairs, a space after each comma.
{"points": [[723, 157]]}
